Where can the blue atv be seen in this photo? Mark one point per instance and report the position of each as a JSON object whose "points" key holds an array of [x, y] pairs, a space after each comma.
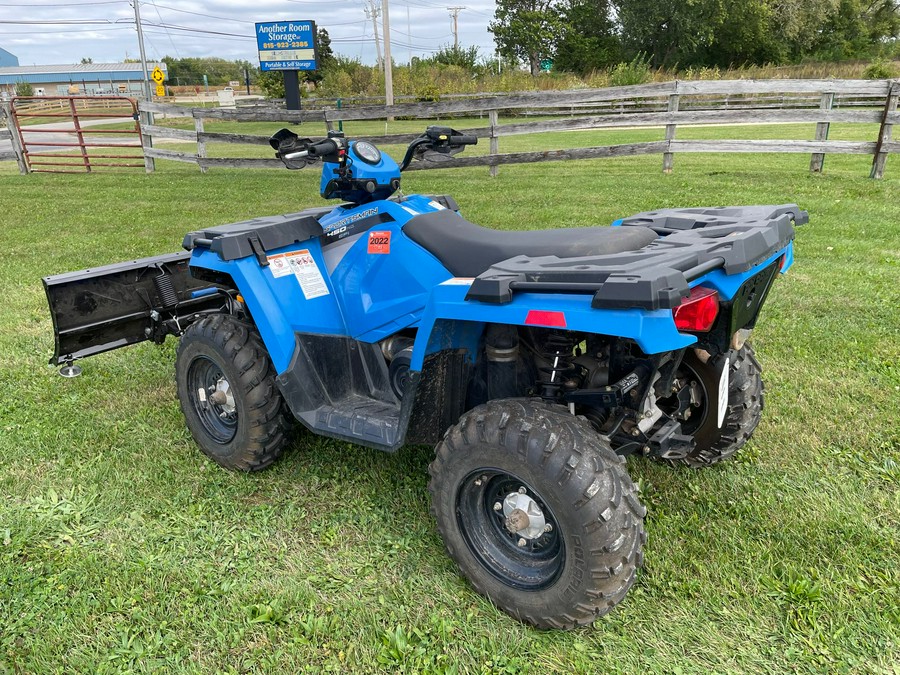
{"points": [[535, 361]]}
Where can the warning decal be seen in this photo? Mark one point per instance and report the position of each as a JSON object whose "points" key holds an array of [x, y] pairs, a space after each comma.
{"points": [[303, 266], [380, 242], [279, 264]]}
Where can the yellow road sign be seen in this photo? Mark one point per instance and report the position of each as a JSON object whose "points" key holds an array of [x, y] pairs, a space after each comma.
{"points": [[160, 90], [157, 75]]}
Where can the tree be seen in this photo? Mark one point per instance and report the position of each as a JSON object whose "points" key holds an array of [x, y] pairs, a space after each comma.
{"points": [[24, 88], [272, 83], [589, 39], [86, 60], [464, 57], [218, 71], [669, 31], [858, 28], [527, 30], [325, 55]]}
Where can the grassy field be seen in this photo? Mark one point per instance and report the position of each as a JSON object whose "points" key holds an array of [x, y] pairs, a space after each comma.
{"points": [[123, 550]]}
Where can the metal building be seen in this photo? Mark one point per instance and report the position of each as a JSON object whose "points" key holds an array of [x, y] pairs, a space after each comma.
{"points": [[79, 79], [7, 59]]}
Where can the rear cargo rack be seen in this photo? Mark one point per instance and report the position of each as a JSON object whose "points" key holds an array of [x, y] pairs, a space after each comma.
{"points": [[694, 242]]}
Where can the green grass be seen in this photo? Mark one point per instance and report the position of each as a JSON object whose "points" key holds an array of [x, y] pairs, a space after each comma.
{"points": [[123, 549]]}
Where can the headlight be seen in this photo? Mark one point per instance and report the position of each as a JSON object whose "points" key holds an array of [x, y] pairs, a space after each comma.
{"points": [[367, 152]]}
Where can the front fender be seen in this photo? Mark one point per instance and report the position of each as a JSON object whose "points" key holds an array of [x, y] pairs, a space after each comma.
{"points": [[277, 304]]}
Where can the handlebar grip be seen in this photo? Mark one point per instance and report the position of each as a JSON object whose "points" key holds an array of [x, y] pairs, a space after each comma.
{"points": [[464, 140], [325, 147]]}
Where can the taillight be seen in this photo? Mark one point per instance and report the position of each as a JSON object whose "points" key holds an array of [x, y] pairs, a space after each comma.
{"points": [[537, 317], [697, 312]]}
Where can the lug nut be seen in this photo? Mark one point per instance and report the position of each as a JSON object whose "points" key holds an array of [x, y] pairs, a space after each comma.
{"points": [[522, 542], [478, 481], [497, 506], [548, 528], [522, 490]]}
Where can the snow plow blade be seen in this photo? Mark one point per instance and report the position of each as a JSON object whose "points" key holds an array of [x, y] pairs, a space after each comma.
{"points": [[104, 308]]}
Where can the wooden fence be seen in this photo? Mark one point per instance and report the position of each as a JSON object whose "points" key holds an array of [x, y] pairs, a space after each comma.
{"points": [[5, 135], [667, 104], [664, 105]]}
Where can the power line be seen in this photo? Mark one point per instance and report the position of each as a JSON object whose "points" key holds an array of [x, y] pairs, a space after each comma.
{"points": [[153, 2], [65, 4], [206, 16], [66, 32]]}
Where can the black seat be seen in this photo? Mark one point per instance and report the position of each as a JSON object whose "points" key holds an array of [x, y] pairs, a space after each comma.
{"points": [[467, 250]]}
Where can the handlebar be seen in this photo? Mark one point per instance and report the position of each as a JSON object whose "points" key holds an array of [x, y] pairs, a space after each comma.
{"points": [[439, 139], [322, 148], [303, 151]]}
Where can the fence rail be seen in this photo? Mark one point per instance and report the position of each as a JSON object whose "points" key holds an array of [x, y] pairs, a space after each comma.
{"points": [[666, 105]]}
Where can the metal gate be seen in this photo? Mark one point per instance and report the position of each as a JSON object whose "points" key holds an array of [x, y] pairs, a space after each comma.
{"points": [[57, 134]]}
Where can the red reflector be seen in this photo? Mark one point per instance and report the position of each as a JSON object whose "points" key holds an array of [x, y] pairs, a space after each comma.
{"points": [[537, 317], [782, 261], [698, 311]]}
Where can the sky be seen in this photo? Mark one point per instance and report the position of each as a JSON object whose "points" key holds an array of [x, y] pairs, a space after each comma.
{"points": [[42, 32]]}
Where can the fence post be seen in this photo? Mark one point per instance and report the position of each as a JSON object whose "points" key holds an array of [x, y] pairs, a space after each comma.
{"points": [[495, 141], [884, 132], [817, 159], [669, 157], [201, 145], [146, 139], [15, 138]]}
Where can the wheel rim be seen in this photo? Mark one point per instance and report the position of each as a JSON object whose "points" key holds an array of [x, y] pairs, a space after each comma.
{"points": [[670, 405], [212, 399], [509, 529]]}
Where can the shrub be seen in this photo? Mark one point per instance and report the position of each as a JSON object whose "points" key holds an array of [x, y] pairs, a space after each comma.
{"points": [[880, 70], [272, 83], [24, 89], [636, 71]]}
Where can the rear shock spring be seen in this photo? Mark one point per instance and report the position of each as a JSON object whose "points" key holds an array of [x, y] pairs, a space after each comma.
{"points": [[558, 353]]}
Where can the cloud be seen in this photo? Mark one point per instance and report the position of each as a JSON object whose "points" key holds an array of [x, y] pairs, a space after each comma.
{"points": [[417, 28]]}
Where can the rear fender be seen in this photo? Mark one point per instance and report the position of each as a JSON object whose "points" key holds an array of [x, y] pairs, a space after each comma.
{"points": [[451, 321], [653, 330]]}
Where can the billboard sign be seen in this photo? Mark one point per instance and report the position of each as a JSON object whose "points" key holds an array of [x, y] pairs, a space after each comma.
{"points": [[286, 45]]}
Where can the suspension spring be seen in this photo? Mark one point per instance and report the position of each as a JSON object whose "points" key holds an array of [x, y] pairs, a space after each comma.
{"points": [[165, 289], [558, 353]]}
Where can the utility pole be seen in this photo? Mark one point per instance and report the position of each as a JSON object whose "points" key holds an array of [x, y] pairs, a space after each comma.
{"points": [[147, 141], [140, 32], [372, 12], [388, 64], [409, 35], [454, 14]]}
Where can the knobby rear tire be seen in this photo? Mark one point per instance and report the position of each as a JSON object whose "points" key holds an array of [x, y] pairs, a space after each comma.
{"points": [[578, 479], [745, 406]]}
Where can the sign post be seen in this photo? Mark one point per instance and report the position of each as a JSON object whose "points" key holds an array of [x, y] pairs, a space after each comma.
{"points": [[288, 46]]}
